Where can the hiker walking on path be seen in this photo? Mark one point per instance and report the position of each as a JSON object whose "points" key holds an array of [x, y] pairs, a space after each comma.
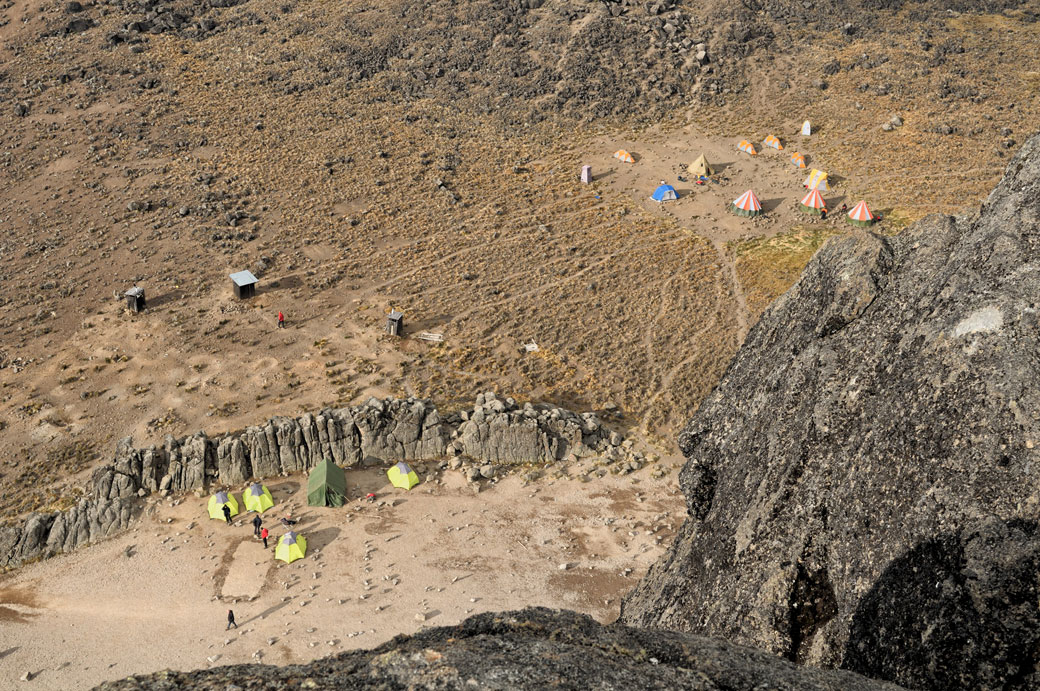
{"points": [[281, 320], [231, 620], [257, 522], [227, 513], [263, 536]]}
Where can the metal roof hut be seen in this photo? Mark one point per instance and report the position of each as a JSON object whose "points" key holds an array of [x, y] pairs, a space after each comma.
{"points": [[394, 323], [245, 284], [135, 299]]}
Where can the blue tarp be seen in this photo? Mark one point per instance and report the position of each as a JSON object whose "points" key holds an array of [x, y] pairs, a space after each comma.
{"points": [[664, 193]]}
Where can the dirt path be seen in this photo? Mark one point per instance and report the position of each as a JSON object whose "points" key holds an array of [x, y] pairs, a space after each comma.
{"points": [[741, 309]]}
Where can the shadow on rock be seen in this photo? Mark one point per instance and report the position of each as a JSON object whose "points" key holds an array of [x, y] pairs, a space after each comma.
{"points": [[958, 611]]}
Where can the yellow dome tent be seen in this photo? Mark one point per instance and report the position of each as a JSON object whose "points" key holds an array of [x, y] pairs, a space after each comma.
{"points": [[216, 505], [817, 180], [700, 167], [291, 547], [402, 475], [257, 498]]}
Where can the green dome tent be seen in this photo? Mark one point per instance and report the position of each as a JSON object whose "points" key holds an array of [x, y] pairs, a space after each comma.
{"points": [[327, 485]]}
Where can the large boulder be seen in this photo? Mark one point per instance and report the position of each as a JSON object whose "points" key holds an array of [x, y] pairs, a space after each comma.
{"points": [[862, 485], [531, 649]]}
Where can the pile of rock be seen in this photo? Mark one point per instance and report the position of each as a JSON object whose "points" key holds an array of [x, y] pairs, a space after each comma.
{"points": [[500, 431]]}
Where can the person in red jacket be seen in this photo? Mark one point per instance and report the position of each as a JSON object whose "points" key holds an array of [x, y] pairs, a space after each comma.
{"points": [[281, 320], [263, 536]]}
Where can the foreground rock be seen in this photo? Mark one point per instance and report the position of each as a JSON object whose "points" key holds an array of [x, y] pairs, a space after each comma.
{"points": [[386, 431], [530, 649], [862, 485]]}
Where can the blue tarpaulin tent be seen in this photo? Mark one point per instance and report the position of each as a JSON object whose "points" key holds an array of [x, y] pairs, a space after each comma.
{"points": [[664, 193]]}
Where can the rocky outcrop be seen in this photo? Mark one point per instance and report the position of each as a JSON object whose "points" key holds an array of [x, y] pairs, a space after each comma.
{"points": [[531, 649], [44, 535], [495, 430], [499, 431], [862, 485]]}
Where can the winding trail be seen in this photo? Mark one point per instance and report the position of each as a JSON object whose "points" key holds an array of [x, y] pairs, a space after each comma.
{"points": [[741, 311], [669, 376]]}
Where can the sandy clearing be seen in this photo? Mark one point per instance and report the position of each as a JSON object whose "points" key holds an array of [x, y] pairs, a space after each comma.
{"points": [[704, 209], [442, 551]]}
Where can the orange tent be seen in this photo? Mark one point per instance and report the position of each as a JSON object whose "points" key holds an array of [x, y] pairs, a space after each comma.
{"points": [[861, 215], [746, 204], [798, 159], [746, 147], [813, 201], [773, 143], [624, 156]]}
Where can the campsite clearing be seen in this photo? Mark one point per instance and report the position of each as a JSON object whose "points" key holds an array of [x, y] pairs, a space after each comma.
{"points": [[440, 550]]}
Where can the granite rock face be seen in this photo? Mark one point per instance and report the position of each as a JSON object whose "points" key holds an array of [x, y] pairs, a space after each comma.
{"points": [[379, 432], [862, 485], [530, 649]]}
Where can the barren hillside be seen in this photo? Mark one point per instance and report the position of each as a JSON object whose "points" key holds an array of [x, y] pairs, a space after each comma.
{"points": [[425, 156]]}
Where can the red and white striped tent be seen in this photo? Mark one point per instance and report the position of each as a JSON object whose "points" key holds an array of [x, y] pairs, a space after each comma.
{"points": [[746, 204], [798, 160], [747, 147], [861, 215], [773, 143], [813, 202]]}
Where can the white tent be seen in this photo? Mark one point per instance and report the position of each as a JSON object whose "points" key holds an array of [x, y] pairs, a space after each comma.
{"points": [[806, 129]]}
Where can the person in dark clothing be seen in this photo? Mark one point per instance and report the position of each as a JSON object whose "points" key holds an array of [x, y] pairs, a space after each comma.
{"points": [[227, 514], [257, 522], [823, 214], [231, 620], [263, 536], [844, 208]]}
